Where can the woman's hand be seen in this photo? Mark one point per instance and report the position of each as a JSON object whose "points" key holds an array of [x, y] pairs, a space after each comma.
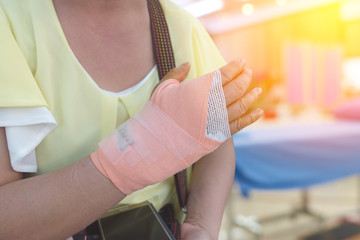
{"points": [[181, 110], [235, 80]]}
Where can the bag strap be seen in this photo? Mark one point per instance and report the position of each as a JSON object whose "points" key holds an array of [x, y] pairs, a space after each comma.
{"points": [[165, 61]]}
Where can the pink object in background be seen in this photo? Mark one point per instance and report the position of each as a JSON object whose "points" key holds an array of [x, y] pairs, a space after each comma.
{"points": [[294, 75], [313, 74], [349, 110], [332, 76]]}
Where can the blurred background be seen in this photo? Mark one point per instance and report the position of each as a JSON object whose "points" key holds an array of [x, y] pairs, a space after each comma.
{"points": [[318, 39], [297, 168]]}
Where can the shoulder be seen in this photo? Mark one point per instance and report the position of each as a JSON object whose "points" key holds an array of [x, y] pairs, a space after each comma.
{"points": [[178, 16], [184, 28], [171, 8], [191, 42]]}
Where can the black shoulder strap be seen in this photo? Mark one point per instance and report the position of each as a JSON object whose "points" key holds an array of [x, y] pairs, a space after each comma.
{"points": [[165, 61]]}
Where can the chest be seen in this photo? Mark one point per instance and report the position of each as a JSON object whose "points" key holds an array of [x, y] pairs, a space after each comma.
{"points": [[115, 49]]}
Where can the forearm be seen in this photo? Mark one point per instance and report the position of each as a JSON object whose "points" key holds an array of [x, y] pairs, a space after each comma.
{"points": [[55, 205], [210, 185]]}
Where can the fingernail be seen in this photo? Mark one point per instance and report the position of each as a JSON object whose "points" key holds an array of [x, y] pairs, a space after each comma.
{"points": [[183, 65], [248, 70], [260, 111], [258, 90]]}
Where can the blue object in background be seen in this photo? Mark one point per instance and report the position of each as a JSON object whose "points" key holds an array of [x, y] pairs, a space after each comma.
{"points": [[296, 156]]}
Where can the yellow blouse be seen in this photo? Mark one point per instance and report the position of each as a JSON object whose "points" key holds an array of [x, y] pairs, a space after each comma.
{"points": [[38, 68]]}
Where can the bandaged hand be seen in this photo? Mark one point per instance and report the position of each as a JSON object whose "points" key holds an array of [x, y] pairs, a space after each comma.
{"points": [[235, 80], [180, 124]]}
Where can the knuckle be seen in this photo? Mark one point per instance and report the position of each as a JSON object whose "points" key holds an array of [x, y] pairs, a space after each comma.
{"points": [[248, 72], [239, 124], [181, 71], [246, 78], [225, 75], [240, 87], [254, 93], [238, 63], [253, 116], [252, 96], [241, 106], [172, 71]]}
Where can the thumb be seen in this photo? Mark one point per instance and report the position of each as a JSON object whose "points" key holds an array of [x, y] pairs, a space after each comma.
{"points": [[179, 73]]}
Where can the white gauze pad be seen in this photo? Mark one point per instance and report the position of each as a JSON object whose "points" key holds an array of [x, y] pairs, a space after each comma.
{"points": [[180, 124]]}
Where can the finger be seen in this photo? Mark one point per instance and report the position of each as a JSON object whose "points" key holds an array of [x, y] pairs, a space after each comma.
{"points": [[180, 73], [231, 70], [238, 108], [245, 120], [236, 88]]}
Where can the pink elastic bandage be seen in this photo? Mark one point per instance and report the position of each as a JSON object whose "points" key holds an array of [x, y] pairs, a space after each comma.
{"points": [[180, 124]]}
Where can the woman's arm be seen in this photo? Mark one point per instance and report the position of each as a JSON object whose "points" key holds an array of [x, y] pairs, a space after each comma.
{"points": [[58, 204], [7, 174], [211, 181], [54, 205], [213, 175]]}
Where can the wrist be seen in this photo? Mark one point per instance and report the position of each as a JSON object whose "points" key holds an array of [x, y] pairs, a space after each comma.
{"points": [[88, 180], [193, 231]]}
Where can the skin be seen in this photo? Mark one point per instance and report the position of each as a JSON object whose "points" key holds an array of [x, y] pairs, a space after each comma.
{"points": [[206, 191], [80, 194], [58, 204]]}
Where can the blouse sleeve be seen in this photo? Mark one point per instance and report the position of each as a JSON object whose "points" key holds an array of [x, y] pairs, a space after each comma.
{"points": [[206, 54], [23, 109], [191, 42]]}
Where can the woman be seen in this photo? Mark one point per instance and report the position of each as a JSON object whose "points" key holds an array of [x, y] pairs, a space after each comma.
{"points": [[74, 70]]}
